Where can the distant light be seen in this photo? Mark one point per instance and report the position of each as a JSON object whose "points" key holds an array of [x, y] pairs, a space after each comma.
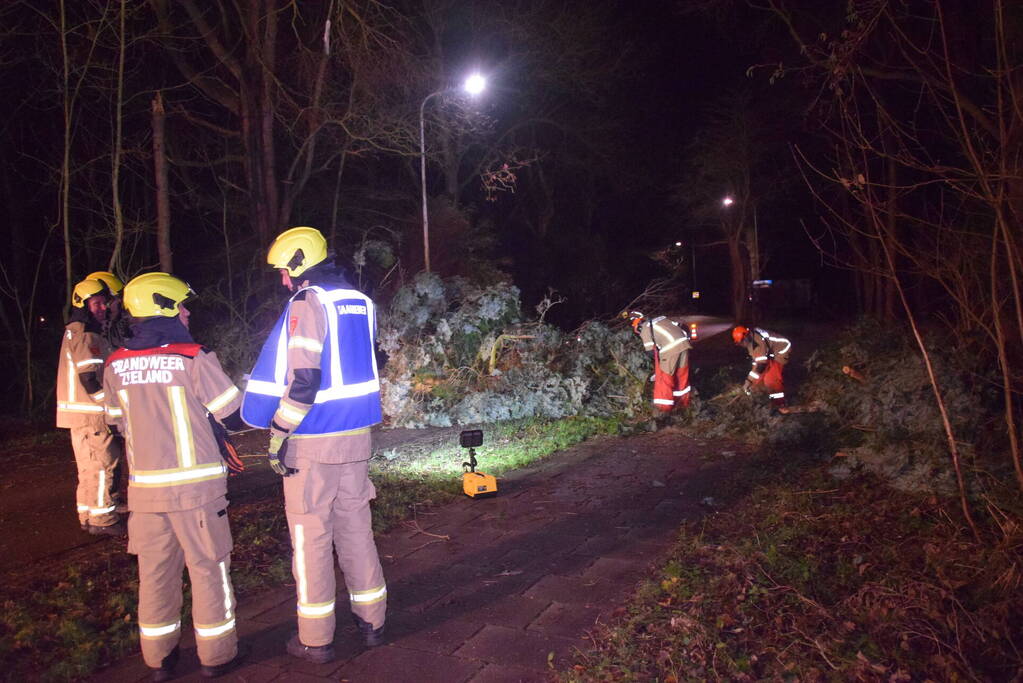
{"points": [[727, 201], [762, 284], [696, 295], [42, 319], [475, 84], [678, 244]]}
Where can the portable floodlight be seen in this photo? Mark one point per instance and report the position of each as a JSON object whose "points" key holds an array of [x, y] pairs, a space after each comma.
{"points": [[475, 484]]}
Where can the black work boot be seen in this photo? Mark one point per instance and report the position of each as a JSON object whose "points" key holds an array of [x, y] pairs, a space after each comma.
{"points": [[317, 654], [372, 636], [227, 667], [167, 666]]}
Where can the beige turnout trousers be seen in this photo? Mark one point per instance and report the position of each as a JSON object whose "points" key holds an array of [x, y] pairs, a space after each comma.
{"points": [[327, 506], [96, 455], [165, 543]]}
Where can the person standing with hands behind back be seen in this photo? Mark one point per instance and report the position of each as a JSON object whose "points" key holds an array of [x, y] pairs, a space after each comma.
{"points": [[315, 385]]}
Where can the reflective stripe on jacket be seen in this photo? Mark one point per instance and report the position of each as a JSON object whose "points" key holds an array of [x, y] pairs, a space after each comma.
{"points": [[81, 353], [762, 346], [159, 398]]}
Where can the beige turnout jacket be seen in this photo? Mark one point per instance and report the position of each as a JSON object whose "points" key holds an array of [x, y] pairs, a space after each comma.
{"points": [[665, 335], [81, 363], [159, 398], [762, 346]]}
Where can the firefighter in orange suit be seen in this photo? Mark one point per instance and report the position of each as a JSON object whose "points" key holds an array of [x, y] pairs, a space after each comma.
{"points": [[670, 346], [80, 408], [769, 353], [315, 385], [158, 390]]}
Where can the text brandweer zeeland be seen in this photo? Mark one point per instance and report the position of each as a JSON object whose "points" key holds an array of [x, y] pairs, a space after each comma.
{"points": [[147, 369]]}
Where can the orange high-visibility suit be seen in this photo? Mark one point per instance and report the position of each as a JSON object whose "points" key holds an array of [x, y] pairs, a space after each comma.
{"points": [[670, 345], [769, 353]]}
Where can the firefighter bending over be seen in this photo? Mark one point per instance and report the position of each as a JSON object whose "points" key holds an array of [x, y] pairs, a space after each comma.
{"points": [[80, 408], [158, 391], [670, 346], [769, 353], [315, 385]]}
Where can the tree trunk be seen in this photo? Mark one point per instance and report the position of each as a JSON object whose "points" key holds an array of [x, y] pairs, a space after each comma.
{"points": [[449, 158], [314, 120], [115, 171], [65, 167], [267, 60], [256, 114], [739, 263], [162, 198]]}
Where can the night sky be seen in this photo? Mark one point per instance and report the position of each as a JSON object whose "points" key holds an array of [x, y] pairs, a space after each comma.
{"points": [[620, 90]]}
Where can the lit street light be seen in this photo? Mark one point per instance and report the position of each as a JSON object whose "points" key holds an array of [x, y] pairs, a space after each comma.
{"points": [[474, 85], [727, 201]]}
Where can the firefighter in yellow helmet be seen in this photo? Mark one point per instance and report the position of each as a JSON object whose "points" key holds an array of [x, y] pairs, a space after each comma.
{"points": [[159, 390], [319, 410], [112, 282], [83, 350], [115, 329], [670, 345]]}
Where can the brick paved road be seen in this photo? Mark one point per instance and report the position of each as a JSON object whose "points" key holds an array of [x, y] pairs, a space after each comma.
{"points": [[494, 590]]}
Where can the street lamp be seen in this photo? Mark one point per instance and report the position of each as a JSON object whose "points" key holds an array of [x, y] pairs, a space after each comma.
{"points": [[473, 85]]}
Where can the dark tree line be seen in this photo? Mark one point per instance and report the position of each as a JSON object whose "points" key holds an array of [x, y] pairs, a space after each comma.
{"points": [[184, 135], [914, 124]]}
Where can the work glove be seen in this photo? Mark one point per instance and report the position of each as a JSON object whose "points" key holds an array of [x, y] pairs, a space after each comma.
{"points": [[747, 388], [228, 452], [273, 454]]}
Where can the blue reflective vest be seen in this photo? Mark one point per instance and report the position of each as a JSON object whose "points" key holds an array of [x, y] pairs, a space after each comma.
{"points": [[349, 395]]}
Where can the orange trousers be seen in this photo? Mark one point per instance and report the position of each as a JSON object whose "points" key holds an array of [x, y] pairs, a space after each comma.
{"points": [[773, 383], [671, 381]]}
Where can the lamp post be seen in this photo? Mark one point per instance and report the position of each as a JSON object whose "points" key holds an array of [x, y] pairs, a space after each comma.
{"points": [[473, 85]]}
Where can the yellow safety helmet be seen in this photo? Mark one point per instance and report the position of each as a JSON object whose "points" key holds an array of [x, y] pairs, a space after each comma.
{"points": [[297, 250], [152, 294], [85, 289], [113, 282]]}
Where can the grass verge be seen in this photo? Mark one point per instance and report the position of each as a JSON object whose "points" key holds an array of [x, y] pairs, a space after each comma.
{"points": [[808, 579], [63, 620]]}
